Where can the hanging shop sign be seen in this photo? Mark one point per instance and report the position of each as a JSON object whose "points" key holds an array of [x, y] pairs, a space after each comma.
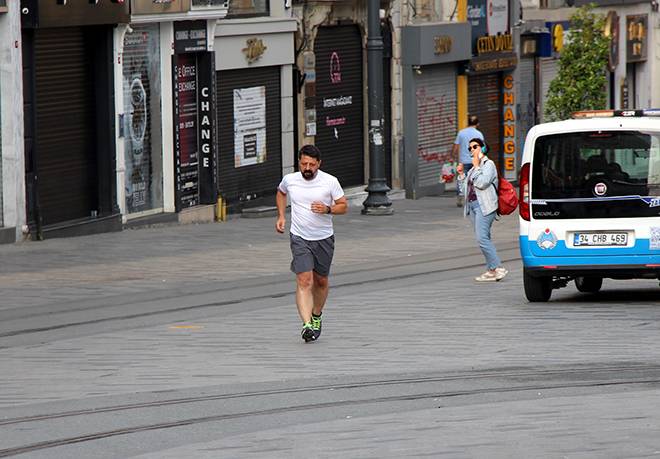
{"points": [[249, 126], [190, 37], [612, 31], [636, 38], [509, 118], [207, 134]]}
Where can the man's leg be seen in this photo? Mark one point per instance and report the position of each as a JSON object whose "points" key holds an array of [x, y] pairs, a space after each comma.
{"points": [[320, 292], [304, 295]]}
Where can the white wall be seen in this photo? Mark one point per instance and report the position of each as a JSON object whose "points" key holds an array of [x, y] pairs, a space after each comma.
{"points": [[11, 86]]}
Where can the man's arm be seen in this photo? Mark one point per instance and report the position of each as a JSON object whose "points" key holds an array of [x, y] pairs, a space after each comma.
{"points": [[454, 153], [280, 201], [340, 206]]}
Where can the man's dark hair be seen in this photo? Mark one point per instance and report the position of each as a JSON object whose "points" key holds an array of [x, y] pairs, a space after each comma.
{"points": [[473, 120], [311, 151]]}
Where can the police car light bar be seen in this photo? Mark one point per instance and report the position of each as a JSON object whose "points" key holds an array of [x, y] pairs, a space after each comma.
{"points": [[612, 113]]}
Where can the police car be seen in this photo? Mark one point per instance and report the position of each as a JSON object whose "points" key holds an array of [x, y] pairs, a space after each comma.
{"points": [[590, 201]]}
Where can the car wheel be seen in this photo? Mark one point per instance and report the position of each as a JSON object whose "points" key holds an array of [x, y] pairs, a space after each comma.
{"points": [[537, 289], [589, 284]]}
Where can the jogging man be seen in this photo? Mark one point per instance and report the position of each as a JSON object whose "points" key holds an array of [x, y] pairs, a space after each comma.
{"points": [[315, 196], [461, 152]]}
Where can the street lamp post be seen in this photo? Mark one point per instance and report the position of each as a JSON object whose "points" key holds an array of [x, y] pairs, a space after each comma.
{"points": [[377, 202]]}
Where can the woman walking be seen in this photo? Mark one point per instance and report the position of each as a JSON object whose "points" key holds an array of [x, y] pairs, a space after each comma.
{"points": [[481, 205]]}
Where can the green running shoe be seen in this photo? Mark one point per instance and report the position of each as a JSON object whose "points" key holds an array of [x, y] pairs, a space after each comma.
{"points": [[316, 326], [308, 332]]}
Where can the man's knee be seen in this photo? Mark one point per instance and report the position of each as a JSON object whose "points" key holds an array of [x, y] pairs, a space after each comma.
{"points": [[320, 281], [304, 280]]}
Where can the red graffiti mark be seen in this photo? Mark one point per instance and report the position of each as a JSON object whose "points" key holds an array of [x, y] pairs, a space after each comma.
{"points": [[434, 127]]}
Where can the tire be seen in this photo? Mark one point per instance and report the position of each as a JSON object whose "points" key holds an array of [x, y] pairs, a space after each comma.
{"points": [[537, 289], [589, 284]]}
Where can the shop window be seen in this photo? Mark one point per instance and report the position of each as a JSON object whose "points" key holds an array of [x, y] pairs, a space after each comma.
{"points": [[142, 119], [243, 8]]}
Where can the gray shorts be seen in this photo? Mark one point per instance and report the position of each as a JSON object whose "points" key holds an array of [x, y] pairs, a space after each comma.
{"points": [[312, 255]]}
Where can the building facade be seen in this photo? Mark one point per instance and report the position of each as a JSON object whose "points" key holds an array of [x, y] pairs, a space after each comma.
{"points": [[70, 116], [255, 115], [12, 177]]}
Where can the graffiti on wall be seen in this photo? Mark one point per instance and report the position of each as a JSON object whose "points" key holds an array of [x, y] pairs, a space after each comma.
{"points": [[435, 118]]}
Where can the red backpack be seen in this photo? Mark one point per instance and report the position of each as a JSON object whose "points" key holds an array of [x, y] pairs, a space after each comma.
{"points": [[507, 199]]}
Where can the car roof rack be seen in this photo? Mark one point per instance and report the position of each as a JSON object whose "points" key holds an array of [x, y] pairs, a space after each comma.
{"points": [[612, 113]]}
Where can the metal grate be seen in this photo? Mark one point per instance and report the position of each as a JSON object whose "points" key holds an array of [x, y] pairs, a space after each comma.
{"points": [[339, 103], [485, 101], [256, 180], [435, 93], [65, 125]]}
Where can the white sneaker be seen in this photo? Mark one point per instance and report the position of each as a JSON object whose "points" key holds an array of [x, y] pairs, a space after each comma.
{"points": [[501, 272], [488, 276]]}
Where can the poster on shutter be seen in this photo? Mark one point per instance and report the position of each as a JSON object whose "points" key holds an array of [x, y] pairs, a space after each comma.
{"points": [[249, 126], [141, 67]]}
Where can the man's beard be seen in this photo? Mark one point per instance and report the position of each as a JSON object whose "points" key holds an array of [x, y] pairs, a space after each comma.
{"points": [[308, 175]]}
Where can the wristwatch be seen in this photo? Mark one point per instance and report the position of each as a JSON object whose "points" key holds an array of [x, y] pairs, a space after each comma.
{"points": [[329, 210]]}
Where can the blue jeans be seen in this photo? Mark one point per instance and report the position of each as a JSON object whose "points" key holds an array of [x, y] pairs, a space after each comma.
{"points": [[482, 226], [466, 168]]}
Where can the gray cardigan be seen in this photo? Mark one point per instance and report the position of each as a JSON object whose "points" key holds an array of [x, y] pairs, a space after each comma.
{"points": [[483, 178]]}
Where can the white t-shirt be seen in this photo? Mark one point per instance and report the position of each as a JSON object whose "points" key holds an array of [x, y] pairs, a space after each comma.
{"points": [[302, 193]]}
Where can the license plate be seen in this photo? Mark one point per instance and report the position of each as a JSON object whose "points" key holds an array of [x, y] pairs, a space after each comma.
{"points": [[600, 239]]}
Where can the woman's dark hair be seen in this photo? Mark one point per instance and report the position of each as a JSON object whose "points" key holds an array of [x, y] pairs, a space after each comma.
{"points": [[482, 144], [311, 151]]}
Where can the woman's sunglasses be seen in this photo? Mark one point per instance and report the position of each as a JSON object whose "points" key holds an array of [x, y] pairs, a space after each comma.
{"points": [[473, 147]]}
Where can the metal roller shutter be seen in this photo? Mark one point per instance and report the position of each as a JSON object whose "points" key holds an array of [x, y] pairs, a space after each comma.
{"points": [[339, 102], [435, 91], [65, 125], [527, 101], [549, 70], [256, 180], [485, 101]]}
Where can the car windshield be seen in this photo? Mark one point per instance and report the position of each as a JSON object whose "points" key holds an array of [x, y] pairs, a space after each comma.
{"points": [[596, 174]]}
